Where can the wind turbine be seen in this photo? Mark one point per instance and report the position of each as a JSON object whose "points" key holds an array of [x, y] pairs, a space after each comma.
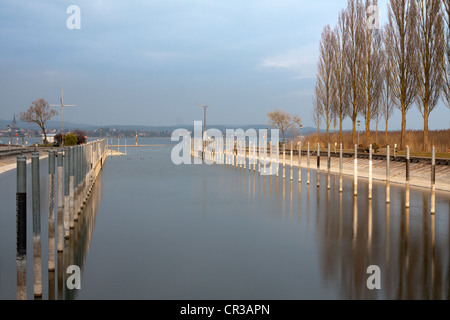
{"points": [[62, 112]]}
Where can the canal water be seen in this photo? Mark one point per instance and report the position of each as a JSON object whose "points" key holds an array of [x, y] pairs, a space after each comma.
{"points": [[154, 230]]}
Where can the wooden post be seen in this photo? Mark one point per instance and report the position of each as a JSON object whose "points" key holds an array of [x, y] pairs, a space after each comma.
{"points": [[433, 180], [355, 174], [407, 177], [292, 162], [71, 186], [308, 164], [328, 167], [341, 167], [284, 161], [388, 175], [318, 164], [370, 172], [299, 162], [66, 192]]}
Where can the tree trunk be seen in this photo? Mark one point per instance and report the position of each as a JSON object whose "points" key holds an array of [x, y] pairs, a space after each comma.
{"points": [[403, 136], [354, 130], [386, 131], [368, 130], [376, 131], [45, 134], [340, 127], [425, 129]]}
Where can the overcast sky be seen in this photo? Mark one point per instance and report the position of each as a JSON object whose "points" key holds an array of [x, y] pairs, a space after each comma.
{"points": [[150, 62]]}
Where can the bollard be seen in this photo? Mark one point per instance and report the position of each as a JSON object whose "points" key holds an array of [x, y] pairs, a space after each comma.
{"points": [[36, 193], [299, 162], [355, 174], [292, 163], [388, 175], [433, 180], [341, 167], [60, 202], [21, 228], [318, 164], [71, 187], [308, 164], [66, 191], [370, 172], [284, 161], [328, 167], [407, 177], [51, 210]]}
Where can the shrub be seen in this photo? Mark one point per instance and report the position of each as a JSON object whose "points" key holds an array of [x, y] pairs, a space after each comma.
{"points": [[70, 139]]}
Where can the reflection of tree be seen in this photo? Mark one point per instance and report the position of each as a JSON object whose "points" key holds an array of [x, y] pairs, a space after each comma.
{"points": [[399, 241]]}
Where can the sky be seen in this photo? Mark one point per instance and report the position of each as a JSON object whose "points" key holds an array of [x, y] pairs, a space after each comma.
{"points": [[149, 62]]}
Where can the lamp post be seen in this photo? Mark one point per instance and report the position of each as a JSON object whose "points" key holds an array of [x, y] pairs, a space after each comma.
{"points": [[301, 135], [10, 138], [359, 122]]}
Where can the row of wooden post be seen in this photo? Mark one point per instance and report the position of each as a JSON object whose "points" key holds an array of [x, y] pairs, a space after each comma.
{"points": [[235, 154], [76, 169]]}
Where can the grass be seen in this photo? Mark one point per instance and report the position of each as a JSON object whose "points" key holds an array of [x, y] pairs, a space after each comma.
{"points": [[414, 139]]}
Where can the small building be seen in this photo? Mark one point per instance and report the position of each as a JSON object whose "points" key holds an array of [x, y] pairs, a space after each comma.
{"points": [[50, 138]]}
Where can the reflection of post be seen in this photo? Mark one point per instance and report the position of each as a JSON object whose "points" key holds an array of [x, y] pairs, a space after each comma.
{"points": [[388, 176], [433, 180], [36, 196], [407, 177], [51, 210], [21, 228]]}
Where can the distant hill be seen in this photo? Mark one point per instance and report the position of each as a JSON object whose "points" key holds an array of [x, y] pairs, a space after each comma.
{"points": [[55, 124]]}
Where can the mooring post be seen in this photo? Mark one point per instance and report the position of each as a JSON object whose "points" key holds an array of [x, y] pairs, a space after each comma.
{"points": [[328, 167], [370, 172], [71, 186], [284, 160], [407, 177], [60, 208], [300, 161], [388, 175], [292, 163], [36, 196], [318, 164], [308, 164], [245, 153], [341, 167], [433, 180], [21, 228], [51, 210], [66, 191], [355, 173]]}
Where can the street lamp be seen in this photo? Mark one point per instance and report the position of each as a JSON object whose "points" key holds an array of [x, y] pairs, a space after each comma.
{"points": [[359, 122], [9, 135], [301, 135]]}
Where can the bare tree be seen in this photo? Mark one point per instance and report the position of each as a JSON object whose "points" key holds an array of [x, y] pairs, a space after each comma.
{"points": [[387, 107], [372, 59], [446, 62], [430, 56], [39, 112], [340, 73], [324, 90], [400, 44], [354, 20], [283, 121]]}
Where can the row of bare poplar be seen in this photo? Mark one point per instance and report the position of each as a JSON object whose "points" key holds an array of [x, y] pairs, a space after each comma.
{"points": [[367, 70]]}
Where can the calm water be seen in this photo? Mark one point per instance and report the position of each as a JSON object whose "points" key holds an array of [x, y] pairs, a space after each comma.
{"points": [[153, 230]]}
